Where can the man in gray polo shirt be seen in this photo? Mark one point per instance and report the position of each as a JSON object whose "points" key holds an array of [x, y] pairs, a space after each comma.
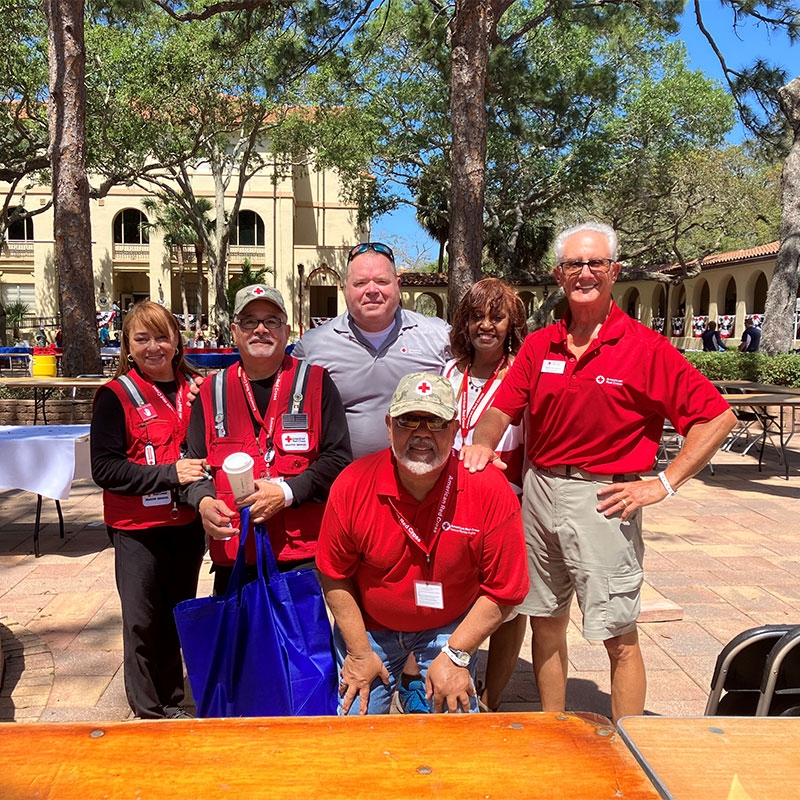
{"points": [[373, 344]]}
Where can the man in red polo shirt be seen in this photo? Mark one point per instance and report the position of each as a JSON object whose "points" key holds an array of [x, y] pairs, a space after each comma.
{"points": [[597, 387], [417, 555]]}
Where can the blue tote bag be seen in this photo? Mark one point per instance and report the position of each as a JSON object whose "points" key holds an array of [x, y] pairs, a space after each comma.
{"points": [[265, 648]]}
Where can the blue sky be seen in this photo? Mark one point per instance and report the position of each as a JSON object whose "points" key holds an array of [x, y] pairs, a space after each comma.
{"points": [[739, 48]]}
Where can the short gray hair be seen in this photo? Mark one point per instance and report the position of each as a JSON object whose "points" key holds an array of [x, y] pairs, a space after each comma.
{"points": [[598, 227]]}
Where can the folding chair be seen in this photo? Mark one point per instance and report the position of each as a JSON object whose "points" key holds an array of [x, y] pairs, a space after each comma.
{"points": [[780, 688], [746, 419], [739, 671], [671, 440]]}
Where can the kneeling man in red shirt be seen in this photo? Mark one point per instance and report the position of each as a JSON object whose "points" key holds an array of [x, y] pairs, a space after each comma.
{"points": [[418, 555]]}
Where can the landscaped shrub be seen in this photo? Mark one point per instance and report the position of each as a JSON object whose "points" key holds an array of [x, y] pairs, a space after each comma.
{"points": [[780, 370]]}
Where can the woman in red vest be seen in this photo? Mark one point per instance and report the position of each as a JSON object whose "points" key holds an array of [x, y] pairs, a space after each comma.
{"points": [[137, 440]]}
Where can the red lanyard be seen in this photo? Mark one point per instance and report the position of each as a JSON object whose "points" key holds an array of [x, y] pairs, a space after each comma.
{"points": [[466, 417], [272, 413], [437, 524], [178, 407]]}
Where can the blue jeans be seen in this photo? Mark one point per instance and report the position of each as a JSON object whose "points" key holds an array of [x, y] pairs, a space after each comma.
{"points": [[394, 647]]}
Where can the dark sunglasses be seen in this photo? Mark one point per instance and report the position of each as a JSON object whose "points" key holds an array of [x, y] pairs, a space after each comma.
{"points": [[383, 249], [411, 423]]}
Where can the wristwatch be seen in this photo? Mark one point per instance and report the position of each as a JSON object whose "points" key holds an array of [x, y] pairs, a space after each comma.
{"points": [[460, 658]]}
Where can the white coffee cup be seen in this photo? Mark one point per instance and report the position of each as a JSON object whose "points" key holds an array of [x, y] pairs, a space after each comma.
{"points": [[239, 469]]}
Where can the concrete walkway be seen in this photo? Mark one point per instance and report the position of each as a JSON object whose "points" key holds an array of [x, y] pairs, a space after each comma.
{"points": [[724, 555]]}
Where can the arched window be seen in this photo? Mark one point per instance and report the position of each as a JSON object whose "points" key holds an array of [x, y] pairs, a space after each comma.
{"points": [[20, 230], [249, 230], [129, 227]]}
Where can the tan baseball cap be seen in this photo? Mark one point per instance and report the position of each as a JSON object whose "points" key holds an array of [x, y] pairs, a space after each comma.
{"points": [[423, 391], [258, 291]]}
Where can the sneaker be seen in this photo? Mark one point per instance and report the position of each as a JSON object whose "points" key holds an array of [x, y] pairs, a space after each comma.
{"points": [[177, 712], [411, 698]]}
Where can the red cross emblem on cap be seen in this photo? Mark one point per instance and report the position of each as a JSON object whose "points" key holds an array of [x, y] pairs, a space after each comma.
{"points": [[258, 290], [423, 387]]}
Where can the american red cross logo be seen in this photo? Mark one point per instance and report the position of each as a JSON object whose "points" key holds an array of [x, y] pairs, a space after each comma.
{"points": [[424, 387], [258, 290]]}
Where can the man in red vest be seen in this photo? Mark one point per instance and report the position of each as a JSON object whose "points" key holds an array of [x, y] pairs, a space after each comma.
{"points": [[288, 417]]}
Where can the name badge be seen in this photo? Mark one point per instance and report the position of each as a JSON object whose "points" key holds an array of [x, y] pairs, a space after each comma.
{"points": [[146, 412], [428, 594], [295, 422], [157, 499], [294, 442], [556, 367]]}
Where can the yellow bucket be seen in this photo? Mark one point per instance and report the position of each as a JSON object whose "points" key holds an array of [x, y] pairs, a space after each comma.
{"points": [[44, 363]]}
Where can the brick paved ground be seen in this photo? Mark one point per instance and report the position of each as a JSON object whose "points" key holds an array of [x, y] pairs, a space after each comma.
{"points": [[725, 551]]}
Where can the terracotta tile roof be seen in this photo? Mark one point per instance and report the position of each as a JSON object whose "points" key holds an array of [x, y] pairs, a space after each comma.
{"points": [[762, 251], [421, 279], [734, 256]]}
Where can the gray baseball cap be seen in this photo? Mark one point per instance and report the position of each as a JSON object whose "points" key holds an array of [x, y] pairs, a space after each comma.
{"points": [[426, 392], [258, 291]]}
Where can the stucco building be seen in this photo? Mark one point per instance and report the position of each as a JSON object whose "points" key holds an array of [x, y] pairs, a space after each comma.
{"points": [[297, 227]]}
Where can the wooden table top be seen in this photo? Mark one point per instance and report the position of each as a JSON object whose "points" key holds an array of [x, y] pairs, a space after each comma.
{"points": [[718, 758], [762, 399], [757, 388], [452, 757]]}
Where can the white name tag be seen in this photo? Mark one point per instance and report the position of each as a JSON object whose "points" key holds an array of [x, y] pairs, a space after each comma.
{"points": [[556, 367], [429, 594], [296, 441], [157, 499]]}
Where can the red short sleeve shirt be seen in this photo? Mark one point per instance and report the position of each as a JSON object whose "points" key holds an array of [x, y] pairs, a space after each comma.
{"points": [[604, 413], [479, 551]]}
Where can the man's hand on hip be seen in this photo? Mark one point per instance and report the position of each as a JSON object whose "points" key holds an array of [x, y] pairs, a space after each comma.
{"points": [[358, 673], [627, 498], [449, 686]]}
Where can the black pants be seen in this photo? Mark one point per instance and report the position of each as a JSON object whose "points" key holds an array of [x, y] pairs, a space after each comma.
{"points": [[155, 570]]}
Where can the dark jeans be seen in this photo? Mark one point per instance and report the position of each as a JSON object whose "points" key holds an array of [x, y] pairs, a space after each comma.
{"points": [[155, 570]]}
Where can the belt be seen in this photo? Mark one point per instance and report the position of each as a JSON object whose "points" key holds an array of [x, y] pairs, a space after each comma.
{"points": [[574, 473]]}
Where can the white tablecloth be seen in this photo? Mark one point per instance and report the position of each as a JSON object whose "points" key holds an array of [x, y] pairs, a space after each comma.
{"points": [[44, 459]]}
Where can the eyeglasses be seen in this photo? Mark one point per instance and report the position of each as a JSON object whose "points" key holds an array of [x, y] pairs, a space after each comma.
{"points": [[597, 266], [251, 323], [383, 249], [411, 423]]}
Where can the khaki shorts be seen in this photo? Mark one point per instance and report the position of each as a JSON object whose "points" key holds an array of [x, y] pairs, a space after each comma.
{"points": [[574, 549]]}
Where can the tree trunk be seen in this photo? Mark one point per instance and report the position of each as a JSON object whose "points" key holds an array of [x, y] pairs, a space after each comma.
{"points": [[198, 255], [218, 258], [182, 284], [781, 302], [71, 220], [471, 29]]}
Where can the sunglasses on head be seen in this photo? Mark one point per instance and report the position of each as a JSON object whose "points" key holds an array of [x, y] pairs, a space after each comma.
{"points": [[411, 422], [383, 249]]}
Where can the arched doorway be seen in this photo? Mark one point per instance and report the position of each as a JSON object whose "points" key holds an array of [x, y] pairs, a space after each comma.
{"points": [[322, 289], [429, 304]]}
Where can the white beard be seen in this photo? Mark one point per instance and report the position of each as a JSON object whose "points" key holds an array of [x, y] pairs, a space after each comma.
{"points": [[420, 467]]}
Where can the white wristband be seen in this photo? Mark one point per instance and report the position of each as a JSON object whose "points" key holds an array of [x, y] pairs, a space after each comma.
{"points": [[666, 484]]}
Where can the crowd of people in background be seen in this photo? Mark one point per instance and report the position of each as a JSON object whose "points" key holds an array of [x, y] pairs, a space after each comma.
{"points": [[448, 483]]}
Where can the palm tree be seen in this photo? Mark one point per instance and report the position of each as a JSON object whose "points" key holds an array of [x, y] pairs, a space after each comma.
{"points": [[15, 313], [247, 278]]}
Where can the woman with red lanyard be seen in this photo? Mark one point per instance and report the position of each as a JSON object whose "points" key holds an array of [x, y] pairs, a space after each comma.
{"points": [[487, 331], [137, 440]]}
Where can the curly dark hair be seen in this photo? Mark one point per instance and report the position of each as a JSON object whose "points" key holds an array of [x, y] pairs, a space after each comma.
{"points": [[492, 295]]}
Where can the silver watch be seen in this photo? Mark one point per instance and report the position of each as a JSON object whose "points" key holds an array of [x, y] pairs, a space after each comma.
{"points": [[460, 658]]}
